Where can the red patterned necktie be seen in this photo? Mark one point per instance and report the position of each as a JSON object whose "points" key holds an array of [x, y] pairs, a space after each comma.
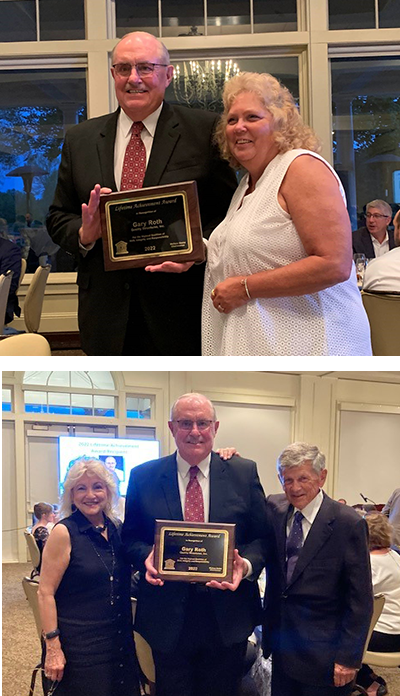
{"points": [[134, 166], [194, 504]]}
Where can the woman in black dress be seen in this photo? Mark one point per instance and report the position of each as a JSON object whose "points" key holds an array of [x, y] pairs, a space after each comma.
{"points": [[84, 591]]}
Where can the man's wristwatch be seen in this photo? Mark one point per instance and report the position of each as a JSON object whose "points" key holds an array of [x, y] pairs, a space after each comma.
{"points": [[52, 634]]}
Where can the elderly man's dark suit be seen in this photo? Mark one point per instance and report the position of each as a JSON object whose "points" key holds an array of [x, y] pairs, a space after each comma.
{"points": [[162, 310], [236, 496], [362, 242], [322, 616]]}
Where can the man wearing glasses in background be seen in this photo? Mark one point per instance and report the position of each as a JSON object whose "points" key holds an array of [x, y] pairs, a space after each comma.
{"points": [[146, 142], [375, 239], [198, 633]]}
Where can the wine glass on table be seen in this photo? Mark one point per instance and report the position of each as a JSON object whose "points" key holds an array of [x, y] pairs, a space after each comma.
{"points": [[360, 261]]}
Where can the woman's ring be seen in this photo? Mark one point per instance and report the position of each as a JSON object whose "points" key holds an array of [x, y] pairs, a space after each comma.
{"points": [[213, 293], [220, 308]]}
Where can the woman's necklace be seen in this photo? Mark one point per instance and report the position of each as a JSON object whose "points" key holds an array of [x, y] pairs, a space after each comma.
{"points": [[110, 573]]}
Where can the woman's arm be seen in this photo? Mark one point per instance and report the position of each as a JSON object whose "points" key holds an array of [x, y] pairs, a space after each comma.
{"points": [[311, 195], [56, 557]]}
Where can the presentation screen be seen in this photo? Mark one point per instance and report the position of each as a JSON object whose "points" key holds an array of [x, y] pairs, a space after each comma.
{"points": [[119, 455]]}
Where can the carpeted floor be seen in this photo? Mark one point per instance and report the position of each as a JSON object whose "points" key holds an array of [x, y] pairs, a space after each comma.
{"points": [[21, 646]]}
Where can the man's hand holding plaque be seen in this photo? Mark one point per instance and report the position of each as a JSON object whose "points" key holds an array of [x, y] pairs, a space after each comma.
{"points": [[240, 570]]}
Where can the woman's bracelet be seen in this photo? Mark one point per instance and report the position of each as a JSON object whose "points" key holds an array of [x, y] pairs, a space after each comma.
{"points": [[244, 283]]}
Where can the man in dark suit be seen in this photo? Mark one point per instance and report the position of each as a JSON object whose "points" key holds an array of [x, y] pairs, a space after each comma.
{"points": [[10, 260], [198, 633], [374, 239], [318, 601], [137, 312]]}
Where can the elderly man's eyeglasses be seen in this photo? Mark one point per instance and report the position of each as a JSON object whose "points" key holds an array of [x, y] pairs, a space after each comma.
{"points": [[184, 424], [377, 216], [142, 69]]}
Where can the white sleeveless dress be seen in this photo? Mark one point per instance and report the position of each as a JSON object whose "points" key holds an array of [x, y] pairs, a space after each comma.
{"points": [[259, 235]]}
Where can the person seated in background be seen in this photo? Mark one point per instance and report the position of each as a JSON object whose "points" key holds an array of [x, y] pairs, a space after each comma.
{"points": [[385, 566], [383, 274], [375, 239], [342, 500], [392, 510], [10, 260], [45, 517]]}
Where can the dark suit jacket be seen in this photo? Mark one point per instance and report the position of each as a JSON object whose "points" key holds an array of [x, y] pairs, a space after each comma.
{"points": [[362, 243], [322, 617], [10, 260], [167, 306], [236, 496]]}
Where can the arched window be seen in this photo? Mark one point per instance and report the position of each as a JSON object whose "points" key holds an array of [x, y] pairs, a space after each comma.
{"points": [[70, 393]]}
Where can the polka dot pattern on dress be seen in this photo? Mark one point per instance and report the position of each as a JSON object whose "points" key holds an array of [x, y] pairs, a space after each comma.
{"points": [[134, 166], [194, 503]]}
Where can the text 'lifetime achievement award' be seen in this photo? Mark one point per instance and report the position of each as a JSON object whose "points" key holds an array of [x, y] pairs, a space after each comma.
{"points": [[194, 551], [151, 225]]}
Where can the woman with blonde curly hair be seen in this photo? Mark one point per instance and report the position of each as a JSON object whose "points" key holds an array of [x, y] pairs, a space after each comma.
{"points": [[84, 590], [280, 278]]}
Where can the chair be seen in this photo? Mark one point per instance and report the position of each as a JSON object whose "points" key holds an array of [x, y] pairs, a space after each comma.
{"points": [[379, 601], [21, 275], [5, 282], [25, 344], [146, 663], [31, 589], [33, 551], [384, 317], [34, 299]]}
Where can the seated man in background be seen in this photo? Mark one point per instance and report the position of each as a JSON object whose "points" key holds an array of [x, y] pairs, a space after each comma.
{"points": [[383, 274], [45, 518], [375, 239], [10, 260], [318, 600], [392, 510]]}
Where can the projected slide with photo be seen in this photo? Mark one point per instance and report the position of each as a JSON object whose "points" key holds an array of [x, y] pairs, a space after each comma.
{"points": [[119, 455]]}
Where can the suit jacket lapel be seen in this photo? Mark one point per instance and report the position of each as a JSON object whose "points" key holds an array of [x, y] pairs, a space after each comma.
{"points": [[280, 523], [169, 485], [219, 484], [368, 244], [105, 149], [165, 139], [320, 531]]}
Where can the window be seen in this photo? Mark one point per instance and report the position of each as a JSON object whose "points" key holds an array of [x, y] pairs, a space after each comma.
{"points": [[139, 407], [37, 107], [198, 18], [69, 404], [199, 83], [57, 20], [366, 130], [6, 400], [361, 14], [91, 379], [82, 402]]}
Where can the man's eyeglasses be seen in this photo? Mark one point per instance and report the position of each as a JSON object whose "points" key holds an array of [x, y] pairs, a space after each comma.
{"points": [[184, 424], [377, 216], [142, 69]]}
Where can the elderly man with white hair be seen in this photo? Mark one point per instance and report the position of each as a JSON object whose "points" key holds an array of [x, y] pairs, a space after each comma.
{"points": [[318, 600]]}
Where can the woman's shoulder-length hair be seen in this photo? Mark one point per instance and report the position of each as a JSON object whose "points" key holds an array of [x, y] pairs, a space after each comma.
{"points": [[290, 132], [91, 467]]}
